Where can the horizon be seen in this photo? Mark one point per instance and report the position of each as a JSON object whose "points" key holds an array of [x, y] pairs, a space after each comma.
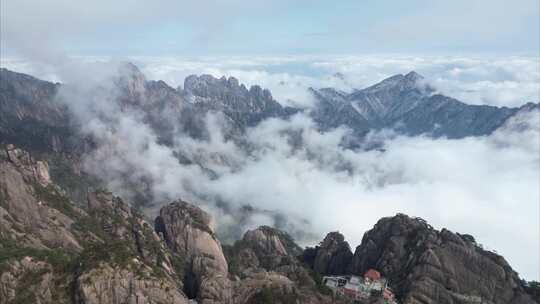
{"points": [[491, 80]]}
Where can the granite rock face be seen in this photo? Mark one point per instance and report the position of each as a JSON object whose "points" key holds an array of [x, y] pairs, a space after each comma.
{"points": [[29, 203], [429, 266], [52, 251], [188, 232], [268, 261], [114, 285], [14, 281], [30, 117], [331, 257]]}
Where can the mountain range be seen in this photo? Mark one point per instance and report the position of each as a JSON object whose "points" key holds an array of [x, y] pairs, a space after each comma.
{"points": [[64, 239], [404, 103]]}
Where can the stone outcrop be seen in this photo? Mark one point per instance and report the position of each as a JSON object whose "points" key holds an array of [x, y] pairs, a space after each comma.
{"points": [[188, 232], [429, 266], [34, 210], [27, 279], [51, 251], [114, 285], [267, 260], [331, 257]]}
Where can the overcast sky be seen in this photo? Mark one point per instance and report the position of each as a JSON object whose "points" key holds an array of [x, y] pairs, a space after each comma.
{"points": [[479, 51], [218, 27]]}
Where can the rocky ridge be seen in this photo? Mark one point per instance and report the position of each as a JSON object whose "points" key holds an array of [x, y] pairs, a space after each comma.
{"points": [[423, 265], [107, 252]]}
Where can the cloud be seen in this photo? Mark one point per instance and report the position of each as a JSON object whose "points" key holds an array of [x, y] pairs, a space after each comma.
{"points": [[475, 185], [303, 181], [493, 80], [215, 26], [498, 81]]}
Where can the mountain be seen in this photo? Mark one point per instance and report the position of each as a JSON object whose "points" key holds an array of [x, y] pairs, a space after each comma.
{"points": [[101, 250], [245, 107], [423, 265], [404, 103], [48, 120], [407, 104], [63, 239], [53, 250]]}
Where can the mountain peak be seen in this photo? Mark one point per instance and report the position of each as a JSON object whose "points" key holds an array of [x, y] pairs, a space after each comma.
{"points": [[401, 81], [128, 69], [413, 76], [194, 82]]}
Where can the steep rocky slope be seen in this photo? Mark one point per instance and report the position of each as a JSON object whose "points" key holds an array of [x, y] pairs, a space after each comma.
{"points": [[407, 104], [424, 265], [331, 257], [430, 266], [52, 251]]}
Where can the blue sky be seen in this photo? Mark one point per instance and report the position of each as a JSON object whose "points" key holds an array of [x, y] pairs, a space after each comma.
{"points": [[236, 27]]}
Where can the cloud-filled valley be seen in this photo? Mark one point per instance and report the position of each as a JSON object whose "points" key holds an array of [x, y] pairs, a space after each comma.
{"points": [[495, 80], [306, 182], [244, 152]]}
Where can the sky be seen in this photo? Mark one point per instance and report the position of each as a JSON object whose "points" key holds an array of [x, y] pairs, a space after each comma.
{"points": [[256, 27], [479, 51]]}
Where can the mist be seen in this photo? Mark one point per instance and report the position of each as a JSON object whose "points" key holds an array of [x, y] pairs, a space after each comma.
{"points": [[287, 174]]}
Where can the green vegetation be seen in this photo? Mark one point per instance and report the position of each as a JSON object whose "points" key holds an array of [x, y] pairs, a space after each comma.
{"points": [[63, 174], [117, 253], [231, 255], [24, 292], [54, 199], [323, 289], [60, 260], [62, 264]]}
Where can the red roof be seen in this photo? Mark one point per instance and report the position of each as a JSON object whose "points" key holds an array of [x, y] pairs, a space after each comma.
{"points": [[373, 275]]}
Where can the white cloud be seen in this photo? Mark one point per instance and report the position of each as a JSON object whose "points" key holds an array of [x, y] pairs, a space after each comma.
{"points": [[485, 186], [499, 81]]}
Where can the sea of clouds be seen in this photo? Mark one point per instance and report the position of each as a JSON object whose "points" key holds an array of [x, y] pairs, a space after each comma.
{"points": [[500, 81], [485, 186]]}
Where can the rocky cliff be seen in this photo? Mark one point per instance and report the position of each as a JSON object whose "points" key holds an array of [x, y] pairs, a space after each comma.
{"points": [[423, 265], [52, 251], [430, 266], [331, 257]]}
